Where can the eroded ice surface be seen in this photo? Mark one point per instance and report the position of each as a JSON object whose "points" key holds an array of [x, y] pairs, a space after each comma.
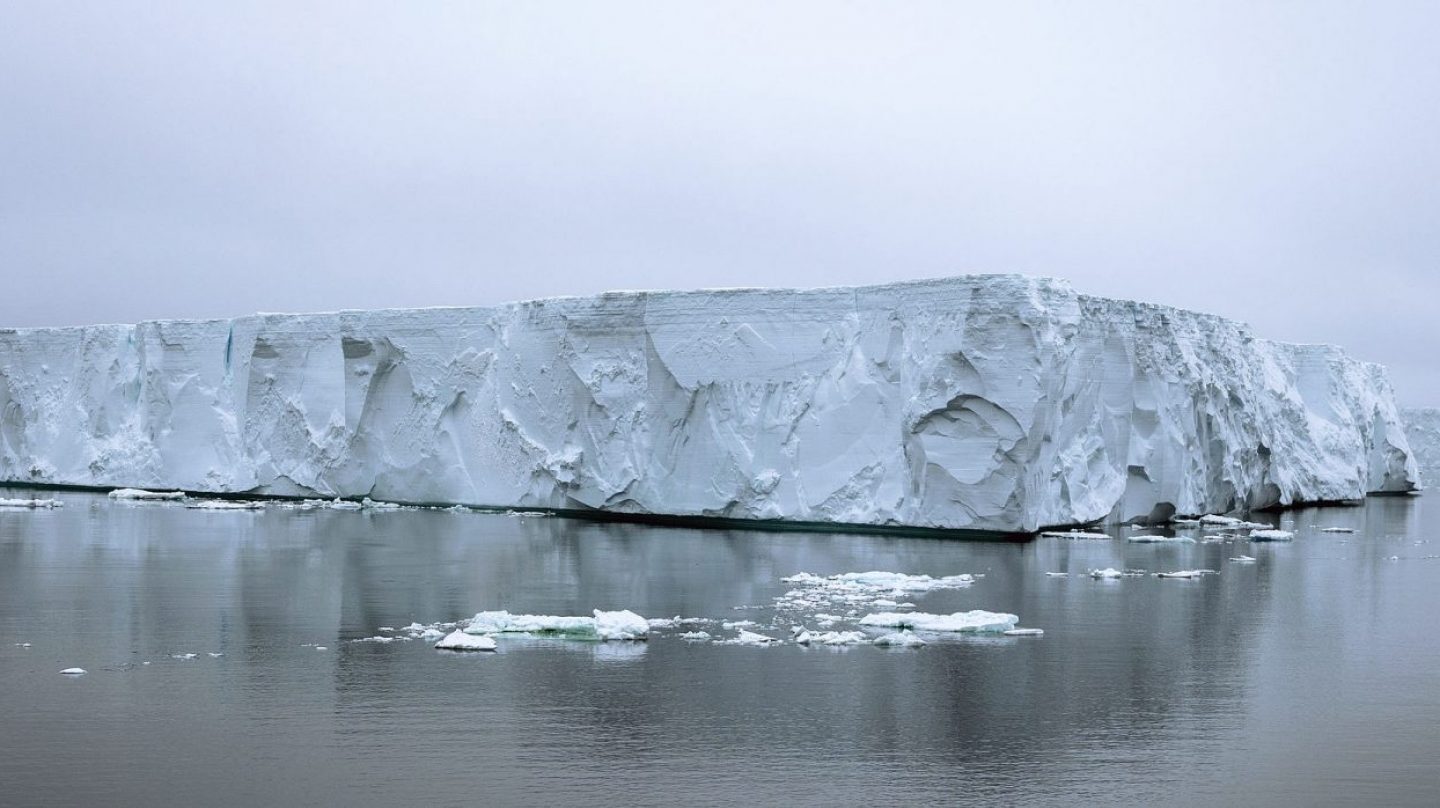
{"points": [[982, 402]]}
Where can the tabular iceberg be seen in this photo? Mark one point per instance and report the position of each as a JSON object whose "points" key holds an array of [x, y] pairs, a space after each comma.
{"points": [[988, 402]]}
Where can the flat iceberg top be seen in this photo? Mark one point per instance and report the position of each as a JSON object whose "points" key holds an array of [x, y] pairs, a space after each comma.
{"points": [[620, 625], [984, 403]]}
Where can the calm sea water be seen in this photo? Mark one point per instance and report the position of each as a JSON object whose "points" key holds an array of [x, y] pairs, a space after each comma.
{"points": [[1309, 677]]}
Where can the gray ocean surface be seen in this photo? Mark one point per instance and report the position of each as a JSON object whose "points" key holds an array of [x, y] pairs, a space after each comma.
{"points": [[1310, 677]]}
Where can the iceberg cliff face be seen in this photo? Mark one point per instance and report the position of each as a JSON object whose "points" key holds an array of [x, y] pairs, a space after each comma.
{"points": [[1422, 429], [980, 402]]}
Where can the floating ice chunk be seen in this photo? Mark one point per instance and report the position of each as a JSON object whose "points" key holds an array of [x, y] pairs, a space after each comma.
{"points": [[371, 505], [1185, 574], [74, 671], [830, 637], [183, 656], [1337, 530], [899, 639], [215, 654], [1186, 522], [1271, 535], [226, 505], [1057, 575], [695, 636], [1244, 559], [142, 494], [1073, 534], [1025, 632], [1151, 538], [377, 638], [976, 620], [458, 640], [750, 638], [734, 624], [1230, 521], [22, 645], [30, 503], [1108, 572], [322, 648], [621, 625]]}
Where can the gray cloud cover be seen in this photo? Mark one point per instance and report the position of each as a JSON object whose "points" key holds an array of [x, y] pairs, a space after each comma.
{"points": [[1272, 162]]}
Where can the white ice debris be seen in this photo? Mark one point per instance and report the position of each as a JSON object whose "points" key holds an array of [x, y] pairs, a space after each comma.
{"points": [[1108, 572], [988, 402], [1337, 530], [226, 505], [971, 621], [750, 638], [1271, 535], [142, 494], [1244, 559], [1057, 575], [1185, 574], [73, 671], [900, 639], [1024, 632], [1074, 534], [806, 637], [460, 641], [1152, 538], [30, 503], [694, 635], [619, 625], [184, 656], [855, 590], [215, 654]]}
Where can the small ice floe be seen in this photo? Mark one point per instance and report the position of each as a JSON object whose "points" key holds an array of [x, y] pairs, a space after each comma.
{"points": [[731, 625], [214, 654], [695, 636], [183, 656], [226, 505], [371, 505], [1271, 535], [899, 639], [30, 503], [322, 648], [1337, 530], [663, 623], [1057, 575], [1024, 632], [377, 638], [975, 621], [384, 629], [1186, 522], [805, 637], [752, 639], [1185, 574], [142, 494], [336, 504], [1073, 534], [621, 625], [1230, 522], [1244, 559], [458, 640], [73, 672], [1108, 572], [1152, 538], [22, 645]]}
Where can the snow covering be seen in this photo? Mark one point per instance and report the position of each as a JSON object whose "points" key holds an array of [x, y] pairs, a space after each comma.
{"points": [[460, 641], [621, 625], [994, 402], [972, 621]]}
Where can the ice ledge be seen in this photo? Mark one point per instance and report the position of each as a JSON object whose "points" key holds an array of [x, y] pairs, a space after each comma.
{"points": [[993, 403]]}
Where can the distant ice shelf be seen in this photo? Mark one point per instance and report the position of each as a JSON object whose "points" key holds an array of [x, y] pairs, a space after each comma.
{"points": [[998, 403]]}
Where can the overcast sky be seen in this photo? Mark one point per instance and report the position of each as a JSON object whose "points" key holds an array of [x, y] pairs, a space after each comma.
{"points": [[1278, 163]]}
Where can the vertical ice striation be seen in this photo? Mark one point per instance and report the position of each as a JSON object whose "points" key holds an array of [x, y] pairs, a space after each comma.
{"points": [[981, 402], [1422, 429]]}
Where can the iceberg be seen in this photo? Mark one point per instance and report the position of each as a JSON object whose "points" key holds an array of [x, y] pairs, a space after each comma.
{"points": [[141, 494], [621, 625], [900, 639], [460, 641], [982, 402], [806, 637], [971, 621], [30, 503], [74, 671]]}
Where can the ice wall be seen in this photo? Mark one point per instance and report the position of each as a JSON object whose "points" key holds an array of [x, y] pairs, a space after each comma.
{"points": [[1422, 429], [982, 402]]}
